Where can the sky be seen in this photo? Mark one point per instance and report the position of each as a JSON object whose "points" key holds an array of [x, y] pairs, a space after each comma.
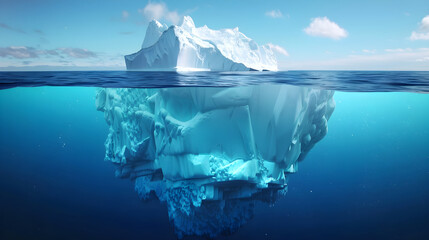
{"points": [[305, 35]]}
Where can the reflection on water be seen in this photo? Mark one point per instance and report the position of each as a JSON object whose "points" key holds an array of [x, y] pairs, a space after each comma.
{"points": [[210, 153]]}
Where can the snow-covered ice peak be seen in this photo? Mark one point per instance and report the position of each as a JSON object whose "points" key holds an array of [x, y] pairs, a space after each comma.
{"points": [[153, 32], [187, 23], [199, 48]]}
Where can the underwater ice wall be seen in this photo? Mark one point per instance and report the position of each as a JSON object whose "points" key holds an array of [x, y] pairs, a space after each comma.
{"points": [[211, 152]]}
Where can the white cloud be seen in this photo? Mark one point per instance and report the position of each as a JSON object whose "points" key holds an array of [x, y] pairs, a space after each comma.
{"points": [[160, 11], [425, 24], [323, 27], [369, 51], [278, 49], [398, 50], [154, 10], [419, 36], [423, 32], [274, 14], [173, 17]]}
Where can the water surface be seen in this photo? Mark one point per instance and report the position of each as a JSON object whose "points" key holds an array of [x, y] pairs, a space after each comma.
{"points": [[366, 179]]}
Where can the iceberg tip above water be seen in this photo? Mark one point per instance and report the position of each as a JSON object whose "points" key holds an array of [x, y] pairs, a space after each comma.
{"points": [[186, 47]]}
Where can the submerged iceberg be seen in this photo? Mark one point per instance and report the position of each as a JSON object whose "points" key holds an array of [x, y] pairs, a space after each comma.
{"points": [[189, 48], [210, 153]]}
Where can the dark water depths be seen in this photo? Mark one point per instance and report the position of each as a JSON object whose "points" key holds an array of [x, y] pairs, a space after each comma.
{"points": [[367, 179]]}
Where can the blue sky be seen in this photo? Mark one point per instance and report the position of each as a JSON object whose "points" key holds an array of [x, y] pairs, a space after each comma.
{"points": [[347, 35]]}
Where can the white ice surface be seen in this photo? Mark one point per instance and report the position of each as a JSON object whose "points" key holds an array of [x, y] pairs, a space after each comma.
{"points": [[192, 48]]}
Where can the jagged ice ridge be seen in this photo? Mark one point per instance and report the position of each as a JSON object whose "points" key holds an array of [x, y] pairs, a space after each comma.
{"points": [[189, 48]]}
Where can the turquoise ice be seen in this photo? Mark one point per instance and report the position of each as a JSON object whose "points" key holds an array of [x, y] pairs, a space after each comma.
{"points": [[202, 149]]}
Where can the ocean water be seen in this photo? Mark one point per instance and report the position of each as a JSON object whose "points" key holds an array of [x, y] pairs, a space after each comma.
{"points": [[366, 179]]}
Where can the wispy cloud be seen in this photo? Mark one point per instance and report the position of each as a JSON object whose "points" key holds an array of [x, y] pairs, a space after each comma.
{"points": [[323, 27], [274, 14], [278, 49], [398, 50], [5, 26], [125, 15], [78, 52], [424, 59], [52, 52], [40, 32], [372, 51], [411, 59], [36, 58], [22, 52], [18, 52], [423, 32], [159, 11]]}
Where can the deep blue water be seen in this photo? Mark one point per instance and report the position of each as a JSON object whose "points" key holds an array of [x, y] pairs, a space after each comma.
{"points": [[355, 81], [367, 179]]}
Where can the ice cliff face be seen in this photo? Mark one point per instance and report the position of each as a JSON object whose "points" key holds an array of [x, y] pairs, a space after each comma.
{"points": [[211, 152], [188, 48], [153, 32]]}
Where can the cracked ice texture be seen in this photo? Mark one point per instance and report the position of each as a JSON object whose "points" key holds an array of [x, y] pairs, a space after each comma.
{"points": [[232, 146]]}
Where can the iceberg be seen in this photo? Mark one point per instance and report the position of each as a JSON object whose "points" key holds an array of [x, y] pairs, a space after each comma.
{"points": [[189, 48], [210, 153], [153, 32]]}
